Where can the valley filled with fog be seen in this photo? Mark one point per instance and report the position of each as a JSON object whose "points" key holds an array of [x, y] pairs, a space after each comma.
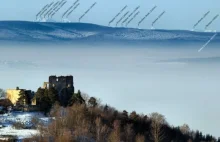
{"points": [[177, 81]]}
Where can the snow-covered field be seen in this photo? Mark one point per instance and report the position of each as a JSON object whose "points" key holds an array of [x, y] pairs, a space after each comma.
{"points": [[24, 133], [25, 118]]}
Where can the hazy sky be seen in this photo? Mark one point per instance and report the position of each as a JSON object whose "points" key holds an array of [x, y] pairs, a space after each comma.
{"points": [[179, 14]]}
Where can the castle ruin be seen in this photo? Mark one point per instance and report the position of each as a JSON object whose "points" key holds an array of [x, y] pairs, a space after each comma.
{"points": [[64, 85]]}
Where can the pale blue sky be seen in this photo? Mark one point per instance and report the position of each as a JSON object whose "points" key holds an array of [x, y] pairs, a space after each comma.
{"points": [[179, 14]]}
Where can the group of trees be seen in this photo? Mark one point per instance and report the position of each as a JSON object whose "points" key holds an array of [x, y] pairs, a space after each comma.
{"points": [[85, 119], [47, 97], [25, 98]]}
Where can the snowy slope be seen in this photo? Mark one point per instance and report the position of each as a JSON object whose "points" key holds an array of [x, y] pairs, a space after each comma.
{"points": [[23, 117], [21, 134], [48, 31]]}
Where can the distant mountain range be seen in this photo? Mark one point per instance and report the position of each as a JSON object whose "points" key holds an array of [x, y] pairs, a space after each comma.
{"points": [[77, 32]]}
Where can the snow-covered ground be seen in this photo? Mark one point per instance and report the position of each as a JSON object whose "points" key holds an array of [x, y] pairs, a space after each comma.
{"points": [[24, 133], [7, 120]]}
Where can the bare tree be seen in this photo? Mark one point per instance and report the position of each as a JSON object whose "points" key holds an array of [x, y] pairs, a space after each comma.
{"points": [[70, 124], [157, 127], [85, 97], [129, 133], [98, 129], [139, 138], [185, 129], [77, 120], [2, 93], [92, 102], [102, 131], [116, 132]]}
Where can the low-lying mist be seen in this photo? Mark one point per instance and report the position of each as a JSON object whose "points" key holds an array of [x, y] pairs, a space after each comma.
{"points": [[176, 81]]}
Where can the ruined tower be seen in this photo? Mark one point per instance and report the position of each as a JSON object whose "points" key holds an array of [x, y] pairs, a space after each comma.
{"points": [[64, 86]]}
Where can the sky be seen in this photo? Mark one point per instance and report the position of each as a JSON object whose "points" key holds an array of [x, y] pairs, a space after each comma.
{"points": [[179, 14]]}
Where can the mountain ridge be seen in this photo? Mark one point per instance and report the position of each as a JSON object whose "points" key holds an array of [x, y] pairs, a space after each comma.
{"points": [[77, 32]]}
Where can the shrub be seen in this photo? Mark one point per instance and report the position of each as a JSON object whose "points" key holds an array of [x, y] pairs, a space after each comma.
{"points": [[18, 125]]}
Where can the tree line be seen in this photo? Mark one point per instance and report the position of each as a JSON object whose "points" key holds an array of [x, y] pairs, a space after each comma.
{"points": [[86, 119]]}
